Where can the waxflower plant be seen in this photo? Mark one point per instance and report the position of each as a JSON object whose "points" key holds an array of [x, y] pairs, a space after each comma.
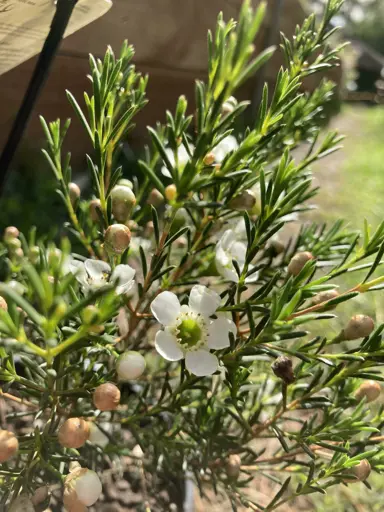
{"points": [[175, 341]]}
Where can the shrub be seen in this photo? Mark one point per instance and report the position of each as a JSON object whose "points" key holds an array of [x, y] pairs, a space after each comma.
{"points": [[186, 319]]}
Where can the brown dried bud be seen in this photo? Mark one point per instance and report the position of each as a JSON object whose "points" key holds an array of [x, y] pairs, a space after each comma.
{"points": [[171, 192], [94, 208], [74, 193], [370, 389], [3, 304], [73, 433], [244, 201], [123, 201], [298, 261], [282, 368], [155, 198], [325, 296], [117, 238], [9, 445], [359, 326], [11, 232], [209, 159], [106, 397], [233, 465]]}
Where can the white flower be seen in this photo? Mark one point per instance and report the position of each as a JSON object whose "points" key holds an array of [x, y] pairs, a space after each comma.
{"points": [[224, 147], [182, 159], [228, 249], [88, 488], [189, 332], [93, 274]]}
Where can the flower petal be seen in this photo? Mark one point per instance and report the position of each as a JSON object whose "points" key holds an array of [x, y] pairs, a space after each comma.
{"points": [[201, 362], [203, 300], [165, 308], [123, 276], [238, 252], [218, 332], [96, 269], [167, 346], [225, 266], [77, 268]]}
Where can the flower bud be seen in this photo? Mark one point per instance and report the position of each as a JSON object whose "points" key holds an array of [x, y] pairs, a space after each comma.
{"points": [[81, 487], [359, 326], [155, 198], [34, 254], [298, 261], [22, 504], [325, 296], [125, 183], [117, 238], [370, 389], [282, 368], [149, 229], [74, 193], [73, 433], [229, 106], [130, 366], [95, 209], [9, 445], [123, 201], [209, 159], [232, 466], [90, 314], [96, 436], [3, 304], [106, 397], [171, 192], [19, 254], [54, 256], [13, 244], [41, 498], [361, 471], [11, 232], [244, 201]]}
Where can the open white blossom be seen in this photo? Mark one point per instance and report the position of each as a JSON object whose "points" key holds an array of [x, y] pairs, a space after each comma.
{"points": [[229, 248], [189, 332], [224, 147], [93, 274], [182, 159]]}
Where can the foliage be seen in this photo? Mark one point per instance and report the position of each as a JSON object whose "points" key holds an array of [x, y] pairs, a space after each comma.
{"points": [[201, 222]]}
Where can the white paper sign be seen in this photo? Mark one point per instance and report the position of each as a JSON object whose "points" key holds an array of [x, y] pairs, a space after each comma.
{"points": [[24, 25]]}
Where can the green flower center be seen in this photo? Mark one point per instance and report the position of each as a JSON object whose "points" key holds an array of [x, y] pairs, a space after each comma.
{"points": [[189, 332]]}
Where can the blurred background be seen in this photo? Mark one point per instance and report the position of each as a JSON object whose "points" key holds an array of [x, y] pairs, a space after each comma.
{"points": [[170, 43]]}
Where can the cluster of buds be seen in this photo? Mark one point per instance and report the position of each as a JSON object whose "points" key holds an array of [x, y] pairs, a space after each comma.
{"points": [[82, 488], [11, 240]]}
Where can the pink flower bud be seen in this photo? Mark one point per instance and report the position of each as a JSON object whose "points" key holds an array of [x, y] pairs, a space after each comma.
{"points": [[359, 326], [123, 201], [11, 232], [298, 261], [232, 466], [370, 389], [106, 397], [117, 238], [74, 193], [9, 445], [94, 208], [73, 433]]}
